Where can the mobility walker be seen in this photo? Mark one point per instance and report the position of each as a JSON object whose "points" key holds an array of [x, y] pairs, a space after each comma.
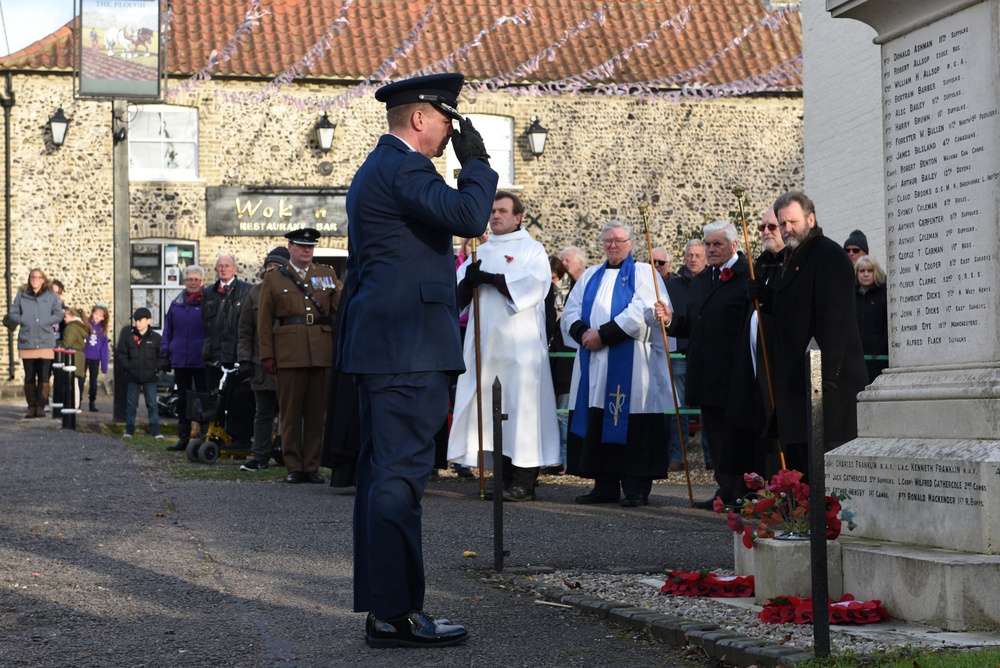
{"points": [[229, 413]]}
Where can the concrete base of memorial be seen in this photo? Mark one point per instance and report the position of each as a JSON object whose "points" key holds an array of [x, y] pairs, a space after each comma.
{"points": [[954, 591], [782, 567]]}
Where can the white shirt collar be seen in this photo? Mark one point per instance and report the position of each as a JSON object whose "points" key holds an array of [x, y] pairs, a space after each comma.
{"points": [[408, 145]]}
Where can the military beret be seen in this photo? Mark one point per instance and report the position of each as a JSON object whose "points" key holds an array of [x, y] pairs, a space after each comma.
{"points": [[307, 236], [441, 90]]}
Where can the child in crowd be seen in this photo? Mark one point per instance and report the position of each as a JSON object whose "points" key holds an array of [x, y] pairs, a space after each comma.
{"points": [[138, 354], [95, 350], [76, 331]]}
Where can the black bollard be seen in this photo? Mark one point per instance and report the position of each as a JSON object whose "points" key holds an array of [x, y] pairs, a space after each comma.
{"points": [[58, 378], [498, 417], [69, 409], [817, 501]]}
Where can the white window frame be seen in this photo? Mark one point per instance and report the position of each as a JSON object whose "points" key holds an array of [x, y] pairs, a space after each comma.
{"points": [[140, 141], [498, 135]]}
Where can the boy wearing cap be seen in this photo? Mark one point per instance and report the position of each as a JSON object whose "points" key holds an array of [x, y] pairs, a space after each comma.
{"points": [[399, 337], [138, 355]]}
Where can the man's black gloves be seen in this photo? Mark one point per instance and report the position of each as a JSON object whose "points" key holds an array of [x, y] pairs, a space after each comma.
{"points": [[468, 143], [474, 276], [759, 291], [165, 364]]}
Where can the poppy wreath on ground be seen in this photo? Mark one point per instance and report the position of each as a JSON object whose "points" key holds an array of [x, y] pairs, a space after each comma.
{"points": [[785, 609], [704, 583]]}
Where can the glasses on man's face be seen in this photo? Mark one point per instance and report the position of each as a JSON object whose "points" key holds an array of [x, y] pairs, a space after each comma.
{"points": [[616, 242], [770, 226], [660, 263], [853, 250]]}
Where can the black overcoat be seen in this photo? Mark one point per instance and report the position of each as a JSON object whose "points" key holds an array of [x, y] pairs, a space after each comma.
{"points": [[814, 298], [712, 325]]}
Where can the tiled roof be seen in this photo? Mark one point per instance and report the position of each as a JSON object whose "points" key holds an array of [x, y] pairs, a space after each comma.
{"points": [[667, 42]]}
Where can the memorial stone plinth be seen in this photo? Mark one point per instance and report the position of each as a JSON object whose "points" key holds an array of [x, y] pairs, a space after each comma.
{"points": [[925, 469]]}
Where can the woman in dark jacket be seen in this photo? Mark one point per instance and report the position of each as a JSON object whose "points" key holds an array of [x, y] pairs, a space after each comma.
{"points": [[181, 346], [873, 313], [36, 309]]}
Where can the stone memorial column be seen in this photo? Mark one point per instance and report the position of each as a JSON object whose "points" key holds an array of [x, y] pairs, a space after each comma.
{"points": [[925, 470]]}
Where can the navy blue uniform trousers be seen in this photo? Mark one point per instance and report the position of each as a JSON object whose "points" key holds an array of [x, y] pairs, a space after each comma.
{"points": [[400, 414]]}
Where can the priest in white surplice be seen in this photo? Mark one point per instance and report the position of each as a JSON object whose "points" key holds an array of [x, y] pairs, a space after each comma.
{"points": [[621, 388], [513, 276]]}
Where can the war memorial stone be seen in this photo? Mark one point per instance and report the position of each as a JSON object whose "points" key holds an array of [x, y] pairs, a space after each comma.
{"points": [[924, 474]]}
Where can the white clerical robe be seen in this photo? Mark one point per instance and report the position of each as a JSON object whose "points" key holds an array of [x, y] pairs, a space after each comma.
{"points": [[651, 391], [513, 348]]}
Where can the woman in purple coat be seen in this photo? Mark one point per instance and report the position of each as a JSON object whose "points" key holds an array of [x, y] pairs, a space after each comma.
{"points": [[183, 338]]}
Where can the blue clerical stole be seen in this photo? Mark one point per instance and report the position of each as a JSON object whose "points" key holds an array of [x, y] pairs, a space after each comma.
{"points": [[619, 383]]}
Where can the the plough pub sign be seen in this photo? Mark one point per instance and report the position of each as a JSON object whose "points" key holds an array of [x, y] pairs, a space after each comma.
{"points": [[247, 211]]}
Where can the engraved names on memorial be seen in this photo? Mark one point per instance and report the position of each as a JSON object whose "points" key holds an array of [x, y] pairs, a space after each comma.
{"points": [[913, 481], [940, 116]]}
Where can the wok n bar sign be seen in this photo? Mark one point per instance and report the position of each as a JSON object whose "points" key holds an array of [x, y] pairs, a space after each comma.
{"points": [[247, 211]]}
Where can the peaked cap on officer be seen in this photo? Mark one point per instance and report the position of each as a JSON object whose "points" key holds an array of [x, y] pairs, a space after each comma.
{"points": [[440, 90], [307, 236]]}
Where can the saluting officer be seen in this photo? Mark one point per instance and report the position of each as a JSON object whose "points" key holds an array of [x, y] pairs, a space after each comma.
{"points": [[296, 325]]}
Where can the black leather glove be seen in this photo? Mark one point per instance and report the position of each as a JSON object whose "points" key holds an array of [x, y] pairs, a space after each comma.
{"points": [[468, 143], [759, 291], [472, 274], [165, 365]]}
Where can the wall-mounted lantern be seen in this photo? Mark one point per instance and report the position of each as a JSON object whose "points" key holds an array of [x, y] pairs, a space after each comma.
{"points": [[536, 137]]}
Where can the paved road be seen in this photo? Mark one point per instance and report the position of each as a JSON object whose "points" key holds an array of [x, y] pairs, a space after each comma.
{"points": [[108, 558]]}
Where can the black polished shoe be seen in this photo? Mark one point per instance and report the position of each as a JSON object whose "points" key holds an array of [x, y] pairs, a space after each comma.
{"points": [[413, 630], [178, 446], [707, 504], [515, 494], [313, 477], [635, 501], [590, 498], [295, 477]]}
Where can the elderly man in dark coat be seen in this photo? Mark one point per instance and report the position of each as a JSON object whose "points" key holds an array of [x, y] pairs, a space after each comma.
{"points": [[813, 298], [399, 337], [712, 325]]}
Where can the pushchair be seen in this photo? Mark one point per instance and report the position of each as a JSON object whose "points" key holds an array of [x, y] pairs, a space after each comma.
{"points": [[167, 396], [229, 413]]}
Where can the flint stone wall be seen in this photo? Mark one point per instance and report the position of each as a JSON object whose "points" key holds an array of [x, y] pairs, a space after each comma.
{"points": [[602, 156]]}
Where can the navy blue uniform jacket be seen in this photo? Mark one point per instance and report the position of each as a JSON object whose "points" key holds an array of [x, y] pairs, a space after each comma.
{"points": [[401, 310]]}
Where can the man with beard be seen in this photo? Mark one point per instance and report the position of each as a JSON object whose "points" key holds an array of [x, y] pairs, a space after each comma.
{"points": [[813, 297], [750, 406]]}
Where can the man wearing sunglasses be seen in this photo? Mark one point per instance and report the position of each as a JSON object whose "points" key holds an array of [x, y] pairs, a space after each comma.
{"points": [[856, 245], [750, 408], [661, 260]]}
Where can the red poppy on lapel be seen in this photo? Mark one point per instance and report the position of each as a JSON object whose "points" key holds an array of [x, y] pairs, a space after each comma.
{"points": [[726, 274]]}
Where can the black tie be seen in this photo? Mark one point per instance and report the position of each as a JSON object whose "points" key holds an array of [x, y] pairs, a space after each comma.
{"points": [[715, 275]]}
